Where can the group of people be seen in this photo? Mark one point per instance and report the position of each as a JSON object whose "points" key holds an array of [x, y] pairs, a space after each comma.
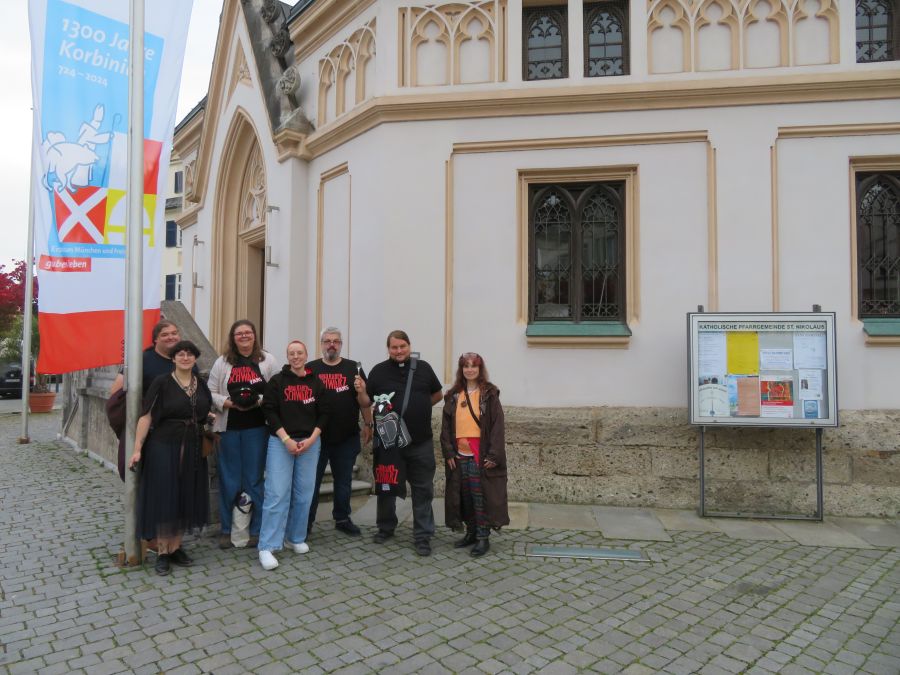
{"points": [[280, 428]]}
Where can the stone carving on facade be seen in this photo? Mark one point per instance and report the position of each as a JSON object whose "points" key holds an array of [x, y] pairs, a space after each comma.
{"points": [[253, 194], [346, 74], [710, 35], [240, 71], [281, 42], [190, 175], [289, 82], [270, 10], [453, 43]]}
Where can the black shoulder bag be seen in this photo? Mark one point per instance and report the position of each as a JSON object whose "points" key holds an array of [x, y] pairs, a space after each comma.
{"points": [[389, 465], [391, 427]]}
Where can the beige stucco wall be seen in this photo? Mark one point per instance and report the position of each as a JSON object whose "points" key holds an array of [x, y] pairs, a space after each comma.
{"points": [[743, 217]]}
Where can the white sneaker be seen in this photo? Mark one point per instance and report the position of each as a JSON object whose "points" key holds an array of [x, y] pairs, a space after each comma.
{"points": [[267, 560], [302, 547]]}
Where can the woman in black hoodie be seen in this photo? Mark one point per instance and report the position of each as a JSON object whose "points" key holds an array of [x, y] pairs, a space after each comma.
{"points": [[293, 404]]}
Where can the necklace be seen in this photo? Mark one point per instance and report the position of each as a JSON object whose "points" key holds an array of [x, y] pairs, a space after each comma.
{"points": [[186, 388], [472, 390]]}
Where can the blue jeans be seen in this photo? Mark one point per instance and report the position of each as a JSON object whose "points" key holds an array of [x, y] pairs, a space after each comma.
{"points": [[341, 456], [290, 480], [241, 461]]}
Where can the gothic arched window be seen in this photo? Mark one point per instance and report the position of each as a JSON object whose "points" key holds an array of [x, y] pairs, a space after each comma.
{"points": [[605, 38], [545, 43], [878, 243], [876, 30], [577, 246]]}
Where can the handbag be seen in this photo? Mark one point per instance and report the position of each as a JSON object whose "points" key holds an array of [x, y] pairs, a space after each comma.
{"points": [[389, 470], [389, 467], [115, 412], [209, 443], [209, 439], [390, 426], [240, 520]]}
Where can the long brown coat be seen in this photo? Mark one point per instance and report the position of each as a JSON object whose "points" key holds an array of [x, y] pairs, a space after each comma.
{"points": [[493, 447]]}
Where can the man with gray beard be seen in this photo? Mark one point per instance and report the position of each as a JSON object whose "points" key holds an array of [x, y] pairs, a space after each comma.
{"points": [[341, 439]]}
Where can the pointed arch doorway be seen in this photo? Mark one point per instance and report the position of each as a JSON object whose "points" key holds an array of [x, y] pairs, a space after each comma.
{"points": [[239, 234]]}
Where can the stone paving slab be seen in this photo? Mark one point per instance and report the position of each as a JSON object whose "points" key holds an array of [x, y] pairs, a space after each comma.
{"points": [[618, 522], [682, 520], [562, 517], [821, 534], [708, 602], [876, 532], [518, 515], [753, 530]]}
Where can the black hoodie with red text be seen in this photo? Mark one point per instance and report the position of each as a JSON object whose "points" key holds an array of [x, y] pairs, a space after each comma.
{"points": [[296, 403]]}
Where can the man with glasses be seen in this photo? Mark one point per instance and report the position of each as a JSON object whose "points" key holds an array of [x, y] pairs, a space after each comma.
{"points": [[341, 438]]}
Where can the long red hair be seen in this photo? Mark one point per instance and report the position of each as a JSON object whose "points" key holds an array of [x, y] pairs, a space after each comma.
{"points": [[459, 384]]}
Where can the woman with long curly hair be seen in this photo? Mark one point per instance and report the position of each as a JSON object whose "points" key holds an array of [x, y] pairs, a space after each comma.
{"points": [[472, 441], [237, 382]]}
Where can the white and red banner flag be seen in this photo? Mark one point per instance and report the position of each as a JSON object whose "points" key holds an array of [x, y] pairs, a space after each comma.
{"points": [[80, 71]]}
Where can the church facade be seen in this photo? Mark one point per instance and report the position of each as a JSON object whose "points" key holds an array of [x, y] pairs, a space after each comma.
{"points": [[554, 185]]}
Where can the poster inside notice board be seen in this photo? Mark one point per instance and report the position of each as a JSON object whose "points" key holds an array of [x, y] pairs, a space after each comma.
{"points": [[769, 369]]}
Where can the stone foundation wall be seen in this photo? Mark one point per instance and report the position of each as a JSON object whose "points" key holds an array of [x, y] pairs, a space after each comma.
{"points": [[84, 412], [642, 457], [649, 457]]}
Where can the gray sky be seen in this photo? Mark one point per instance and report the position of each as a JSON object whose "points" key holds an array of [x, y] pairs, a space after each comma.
{"points": [[15, 111]]}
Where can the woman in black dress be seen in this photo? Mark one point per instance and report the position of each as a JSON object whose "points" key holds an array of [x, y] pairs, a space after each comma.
{"points": [[173, 492]]}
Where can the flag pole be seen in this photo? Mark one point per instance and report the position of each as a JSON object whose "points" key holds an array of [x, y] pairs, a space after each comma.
{"points": [[27, 307], [134, 305]]}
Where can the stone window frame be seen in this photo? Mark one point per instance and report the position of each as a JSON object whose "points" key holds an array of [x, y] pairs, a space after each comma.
{"points": [[878, 331], [611, 334]]}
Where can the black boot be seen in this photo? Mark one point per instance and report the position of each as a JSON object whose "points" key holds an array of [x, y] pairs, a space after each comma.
{"points": [[481, 547], [468, 540]]}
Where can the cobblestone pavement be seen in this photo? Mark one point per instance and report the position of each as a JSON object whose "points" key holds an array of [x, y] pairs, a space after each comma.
{"points": [[708, 603]]}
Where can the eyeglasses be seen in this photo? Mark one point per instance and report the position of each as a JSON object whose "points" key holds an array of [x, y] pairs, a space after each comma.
{"points": [[244, 334], [469, 355], [332, 342]]}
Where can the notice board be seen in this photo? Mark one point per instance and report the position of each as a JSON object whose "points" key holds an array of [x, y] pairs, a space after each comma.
{"points": [[769, 369]]}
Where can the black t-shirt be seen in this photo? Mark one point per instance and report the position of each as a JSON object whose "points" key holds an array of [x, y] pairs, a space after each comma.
{"points": [[245, 388], [389, 377], [343, 409]]}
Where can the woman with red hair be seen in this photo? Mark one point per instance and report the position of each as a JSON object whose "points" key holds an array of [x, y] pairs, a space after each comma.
{"points": [[472, 440], [295, 409]]}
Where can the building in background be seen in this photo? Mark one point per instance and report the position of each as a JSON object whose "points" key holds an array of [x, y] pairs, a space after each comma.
{"points": [[172, 255], [555, 185]]}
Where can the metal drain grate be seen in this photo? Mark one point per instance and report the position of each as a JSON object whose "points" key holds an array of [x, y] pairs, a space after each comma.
{"points": [[586, 552]]}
